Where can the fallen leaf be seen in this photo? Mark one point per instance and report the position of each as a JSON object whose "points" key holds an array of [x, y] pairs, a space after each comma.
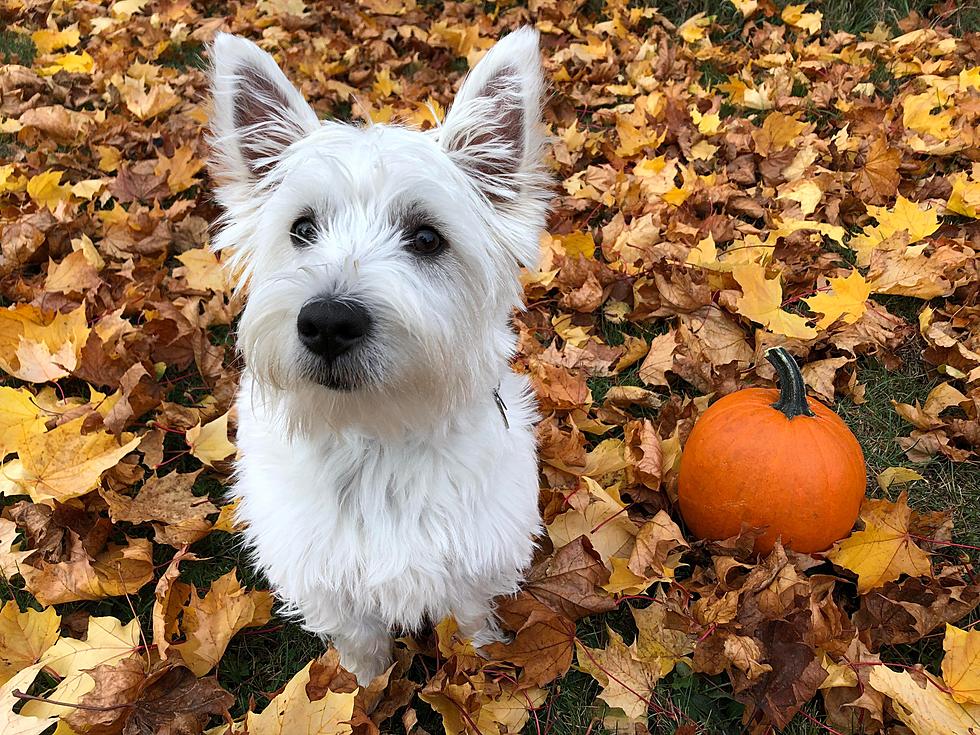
{"points": [[883, 551]]}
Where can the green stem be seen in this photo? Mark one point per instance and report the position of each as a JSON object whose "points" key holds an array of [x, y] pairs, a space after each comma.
{"points": [[792, 389]]}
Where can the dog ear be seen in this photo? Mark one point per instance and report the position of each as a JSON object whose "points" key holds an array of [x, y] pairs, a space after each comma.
{"points": [[492, 130], [257, 112]]}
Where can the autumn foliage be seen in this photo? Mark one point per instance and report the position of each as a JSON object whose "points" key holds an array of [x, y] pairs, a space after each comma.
{"points": [[721, 188]]}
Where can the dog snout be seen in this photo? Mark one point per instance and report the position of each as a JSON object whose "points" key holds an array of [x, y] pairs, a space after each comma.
{"points": [[329, 328]]}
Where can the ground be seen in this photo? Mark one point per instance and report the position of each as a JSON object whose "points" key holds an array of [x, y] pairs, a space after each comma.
{"points": [[260, 660]]}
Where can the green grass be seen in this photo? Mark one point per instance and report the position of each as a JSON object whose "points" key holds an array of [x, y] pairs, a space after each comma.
{"points": [[16, 48], [846, 15]]}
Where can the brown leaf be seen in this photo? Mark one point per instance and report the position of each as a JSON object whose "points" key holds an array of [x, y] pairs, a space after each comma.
{"points": [[168, 500], [570, 581], [877, 181], [211, 621], [543, 643]]}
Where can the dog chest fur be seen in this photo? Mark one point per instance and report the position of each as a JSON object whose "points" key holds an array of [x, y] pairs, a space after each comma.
{"points": [[394, 531]]}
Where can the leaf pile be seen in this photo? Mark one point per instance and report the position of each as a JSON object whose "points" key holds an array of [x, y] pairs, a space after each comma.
{"points": [[723, 187]]}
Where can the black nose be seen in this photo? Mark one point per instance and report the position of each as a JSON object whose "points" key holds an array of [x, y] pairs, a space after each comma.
{"points": [[329, 328]]}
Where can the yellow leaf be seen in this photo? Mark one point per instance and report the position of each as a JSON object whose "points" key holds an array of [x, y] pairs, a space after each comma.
{"points": [[761, 300], [578, 243], [603, 521], [627, 682], [917, 115], [848, 300], [883, 551], [746, 7], [708, 123], [923, 705], [793, 15], [789, 226], [211, 621], [658, 644], [20, 418], [510, 711], [203, 270], [227, 520], [22, 724], [906, 216], [292, 712], [806, 193], [897, 476], [24, 637], [777, 132], [384, 85], [209, 443], [47, 40], [126, 9], [965, 197], [39, 347], [11, 557], [695, 28], [180, 170], [63, 464], [46, 189], [961, 665], [75, 63], [703, 151], [108, 641]]}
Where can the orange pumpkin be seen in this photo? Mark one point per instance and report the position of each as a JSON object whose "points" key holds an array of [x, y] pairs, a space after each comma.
{"points": [[773, 460]]}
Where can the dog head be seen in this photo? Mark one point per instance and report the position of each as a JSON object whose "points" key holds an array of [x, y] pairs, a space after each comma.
{"points": [[380, 261]]}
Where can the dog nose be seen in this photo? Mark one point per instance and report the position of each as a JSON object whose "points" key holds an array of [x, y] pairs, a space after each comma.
{"points": [[329, 328]]}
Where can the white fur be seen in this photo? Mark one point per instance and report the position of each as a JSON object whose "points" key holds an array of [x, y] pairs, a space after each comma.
{"points": [[411, 497]]}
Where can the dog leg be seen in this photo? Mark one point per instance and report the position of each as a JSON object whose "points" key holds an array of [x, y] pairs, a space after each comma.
{"points": [[481, 627], [365, 650]]}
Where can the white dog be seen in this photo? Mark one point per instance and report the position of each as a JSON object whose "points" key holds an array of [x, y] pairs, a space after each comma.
{"points": [[387, 469]]}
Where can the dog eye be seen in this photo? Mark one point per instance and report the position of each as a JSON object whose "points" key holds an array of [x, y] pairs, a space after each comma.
{"points": [[303, 232], [426, 241]]}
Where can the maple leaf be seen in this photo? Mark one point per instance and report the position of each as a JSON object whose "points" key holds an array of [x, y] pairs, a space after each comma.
{"points": [[570, 581], [107, 642], [878, 179], [11, 557], [777, 132], [292, 711], [761, 301], [12, 723], [169, 599], [883, 551], [179, 515], [961, 664], [847, 301], [543, 641], [37, 347], [24, 637], [63, 463], [20, 418], [656, 642], [47, 40], [922, 702], [602, 521], [203, 271], [906, 216], [209, 443], [210, 622], [627, 682], [118, 570]]}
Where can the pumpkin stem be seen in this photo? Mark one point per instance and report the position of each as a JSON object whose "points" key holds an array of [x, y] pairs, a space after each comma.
{"points": [[792, 389]]}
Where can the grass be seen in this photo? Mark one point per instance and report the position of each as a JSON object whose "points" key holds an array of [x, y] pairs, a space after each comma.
{"points": [[846, 15], [16, 48]]}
